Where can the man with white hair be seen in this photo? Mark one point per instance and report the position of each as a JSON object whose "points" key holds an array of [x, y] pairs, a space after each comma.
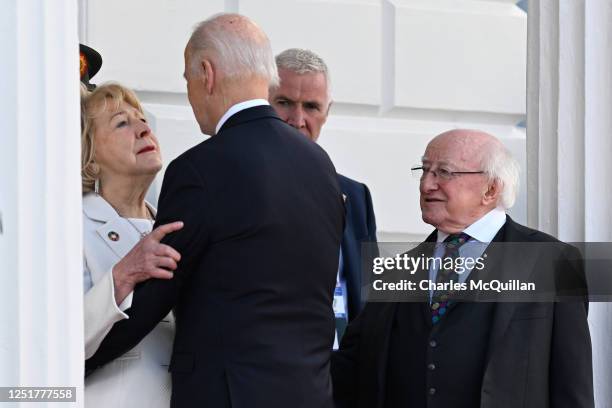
{"points": [[303, 100], [263, 218], [445, 352]]}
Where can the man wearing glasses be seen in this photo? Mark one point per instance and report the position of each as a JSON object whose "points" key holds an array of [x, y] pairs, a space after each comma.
{"points": [[443, 352]]}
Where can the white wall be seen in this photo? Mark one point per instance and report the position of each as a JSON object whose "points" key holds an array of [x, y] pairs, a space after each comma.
{"points": [[570, 172], [402, 71], [41, 328]]}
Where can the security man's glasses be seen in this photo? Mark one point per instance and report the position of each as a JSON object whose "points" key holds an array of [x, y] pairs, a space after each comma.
{"points": [[441, 173]]}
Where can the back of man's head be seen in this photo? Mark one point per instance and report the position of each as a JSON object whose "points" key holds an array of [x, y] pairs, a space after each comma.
{"points": [[239, 48]]}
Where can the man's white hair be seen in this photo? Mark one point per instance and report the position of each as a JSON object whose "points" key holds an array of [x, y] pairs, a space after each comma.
{"points": [[302, 61], [501, 166], [237, 53]]}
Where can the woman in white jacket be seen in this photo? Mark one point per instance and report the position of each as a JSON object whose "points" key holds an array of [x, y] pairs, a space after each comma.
{"points": [[120, 158]]}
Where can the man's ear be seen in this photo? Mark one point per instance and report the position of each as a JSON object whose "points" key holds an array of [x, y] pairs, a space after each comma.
{"points": [[209, 75], [493, 192]]}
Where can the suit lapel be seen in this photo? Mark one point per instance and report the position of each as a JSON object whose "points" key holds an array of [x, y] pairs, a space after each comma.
{"points": [[514, 261], [350, 252], [347, 250], [494, 255], [113, 230], [352, 277], [116, 228], [498, 259], [423, 274]]}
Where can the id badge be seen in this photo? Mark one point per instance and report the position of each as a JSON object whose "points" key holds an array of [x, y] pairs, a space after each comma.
{"points": [[339, 307]]}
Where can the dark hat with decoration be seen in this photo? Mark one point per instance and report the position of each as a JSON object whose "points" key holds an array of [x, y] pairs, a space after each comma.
{"points": [[90, 63]]}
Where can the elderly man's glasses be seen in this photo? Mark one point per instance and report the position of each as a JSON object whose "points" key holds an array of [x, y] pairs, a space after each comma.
{"points": [[441, 173]]}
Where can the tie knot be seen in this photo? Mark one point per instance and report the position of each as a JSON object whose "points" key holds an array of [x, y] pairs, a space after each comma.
{"points": [[456, 240]]}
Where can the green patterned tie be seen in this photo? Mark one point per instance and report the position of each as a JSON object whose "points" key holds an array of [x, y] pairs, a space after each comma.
{"points": [[439, 301]]}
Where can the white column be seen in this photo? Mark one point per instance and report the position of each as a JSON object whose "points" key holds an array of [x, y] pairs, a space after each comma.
{"points": [[569, 123], [41, 329]]}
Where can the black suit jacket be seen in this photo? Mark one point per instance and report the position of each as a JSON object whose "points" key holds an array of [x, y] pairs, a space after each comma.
{"points": [[538, 355], [263, 218], [360, 227]]}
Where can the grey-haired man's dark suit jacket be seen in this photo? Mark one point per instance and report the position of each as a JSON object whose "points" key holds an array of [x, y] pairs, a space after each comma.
{"points": [[360, 227]]}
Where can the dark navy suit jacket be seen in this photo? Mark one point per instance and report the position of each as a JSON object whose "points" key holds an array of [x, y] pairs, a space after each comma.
{"points": [[360, 227], [252, 296]]}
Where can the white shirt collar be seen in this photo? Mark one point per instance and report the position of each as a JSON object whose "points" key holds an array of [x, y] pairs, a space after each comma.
{"points": [[237, 108], [485, 229]]}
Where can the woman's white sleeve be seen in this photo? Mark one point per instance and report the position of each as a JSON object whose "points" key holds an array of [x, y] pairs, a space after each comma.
{"points": [[101, 311]]}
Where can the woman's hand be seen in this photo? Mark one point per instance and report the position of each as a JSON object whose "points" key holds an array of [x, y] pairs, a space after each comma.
{"points": [[148, 259]]}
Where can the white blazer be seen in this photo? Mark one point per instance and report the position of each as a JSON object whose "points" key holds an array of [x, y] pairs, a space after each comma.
{"points": [[140, 377]]}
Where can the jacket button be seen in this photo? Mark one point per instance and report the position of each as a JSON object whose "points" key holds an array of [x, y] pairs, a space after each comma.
{"points": [[431, 366], [432, 391], [433, 343]]}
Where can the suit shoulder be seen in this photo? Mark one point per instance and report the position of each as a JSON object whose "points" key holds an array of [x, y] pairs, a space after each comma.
{"points": [[194, 159], [350, 185], [343, 180], [526, 234], [194, 151], [530, 234]]}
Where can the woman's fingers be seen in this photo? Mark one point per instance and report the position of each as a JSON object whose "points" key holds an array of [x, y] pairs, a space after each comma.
{"points": [[149, 258], [168, 251], [160, 267], [160, 232], [167, 263], [159, 273]]}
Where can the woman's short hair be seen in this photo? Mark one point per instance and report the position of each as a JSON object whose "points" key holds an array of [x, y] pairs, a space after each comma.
{"points": [[106, 96]]}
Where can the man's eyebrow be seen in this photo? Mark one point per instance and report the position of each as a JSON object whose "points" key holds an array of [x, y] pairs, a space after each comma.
{"points": [[281, 96], [441, 162]]}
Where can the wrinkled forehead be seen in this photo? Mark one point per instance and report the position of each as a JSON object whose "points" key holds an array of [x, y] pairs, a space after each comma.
{"points": [[105, 109], [452, 151], [310, 84]]}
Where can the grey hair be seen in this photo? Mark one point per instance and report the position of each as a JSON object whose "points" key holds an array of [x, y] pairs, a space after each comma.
{"points": [[238, 53], [501, 166], [302, 61]]}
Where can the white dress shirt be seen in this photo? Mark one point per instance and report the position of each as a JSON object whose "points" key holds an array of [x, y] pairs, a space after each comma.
{"points": [[485, 229], [481, 234]]}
